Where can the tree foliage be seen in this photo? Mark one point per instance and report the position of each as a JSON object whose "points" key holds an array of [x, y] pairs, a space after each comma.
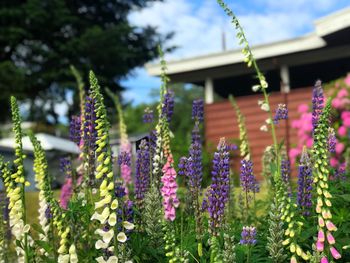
{"points": [[39, 39]]}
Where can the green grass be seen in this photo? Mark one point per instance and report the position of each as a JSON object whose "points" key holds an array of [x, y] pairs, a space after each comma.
{"points": [[32, 206]]}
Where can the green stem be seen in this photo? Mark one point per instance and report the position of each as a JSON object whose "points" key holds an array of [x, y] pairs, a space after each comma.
{"points": [[249, 254], [251, 61], [247, 206]]}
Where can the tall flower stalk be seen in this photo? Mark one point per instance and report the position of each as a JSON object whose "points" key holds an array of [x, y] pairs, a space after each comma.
{"points": [[192, 168], [251, 62], [317, 103], [125, 146], [5, 236], [326, 228], [15, 186], [218, 192], [304, 195], [243, 136], [107, 204], [43, 184], [89, 142], [142, 175], [249, 184]]}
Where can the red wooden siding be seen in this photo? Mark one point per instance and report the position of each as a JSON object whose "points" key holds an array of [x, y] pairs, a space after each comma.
{"points": [[220, 121]]}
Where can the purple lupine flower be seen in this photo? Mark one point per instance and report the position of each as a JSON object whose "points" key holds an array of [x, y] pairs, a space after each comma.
{"points": [[119, 190], [124, 158], [194, 168], [48, 212], [332, 140], [89, 139], [128, 211], [339, 174], [231, 147], [317, 103], [152, 139], [198, 110], [304, 196], [248, 236], [168, 105], [285, 170], [66, 166], [148, 116], [74, 130], [247, 178], [182, 166], [90, 133], [196, 136], [285, 174], [142, 175], [218, 193], [281, 113]]}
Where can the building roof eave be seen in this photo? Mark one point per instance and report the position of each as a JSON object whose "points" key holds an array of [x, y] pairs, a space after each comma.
{"points": [[308, 42], [332, 23]]}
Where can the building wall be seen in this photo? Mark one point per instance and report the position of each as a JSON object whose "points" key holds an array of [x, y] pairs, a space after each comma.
{"points": [[220, 121]]}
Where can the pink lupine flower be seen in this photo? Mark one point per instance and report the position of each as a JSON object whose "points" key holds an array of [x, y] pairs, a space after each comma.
{"points": [[342, 131], [334, 162], [346, 122], [343, 93], [319, 246], [330, 226], [347, 80], [320, 235], [294, 152], [170, 200], [293, 260], [339, 148], [335, 253], [337, 103], [324, 260], [303, 108], [330, 238], [309, 142]]}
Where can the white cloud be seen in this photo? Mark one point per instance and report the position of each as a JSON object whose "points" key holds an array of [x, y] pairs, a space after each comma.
{"points": [[198, 27]]}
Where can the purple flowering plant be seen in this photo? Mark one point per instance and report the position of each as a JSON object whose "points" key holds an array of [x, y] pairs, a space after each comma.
{"points": [[143, 204]]}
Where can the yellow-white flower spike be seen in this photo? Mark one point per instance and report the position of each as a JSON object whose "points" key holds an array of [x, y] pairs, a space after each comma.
{"points": [[104, 170]]}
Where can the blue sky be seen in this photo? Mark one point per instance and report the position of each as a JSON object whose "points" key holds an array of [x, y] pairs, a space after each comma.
{"points": [[198, 25]]}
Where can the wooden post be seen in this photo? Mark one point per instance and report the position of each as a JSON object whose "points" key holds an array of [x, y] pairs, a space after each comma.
{"points": [[285, 89], [209, 91]]}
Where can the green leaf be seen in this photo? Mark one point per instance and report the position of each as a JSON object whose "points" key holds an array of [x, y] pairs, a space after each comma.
{"points": [[43, 244], [280, 145], [346, 197], [19, 244]]}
